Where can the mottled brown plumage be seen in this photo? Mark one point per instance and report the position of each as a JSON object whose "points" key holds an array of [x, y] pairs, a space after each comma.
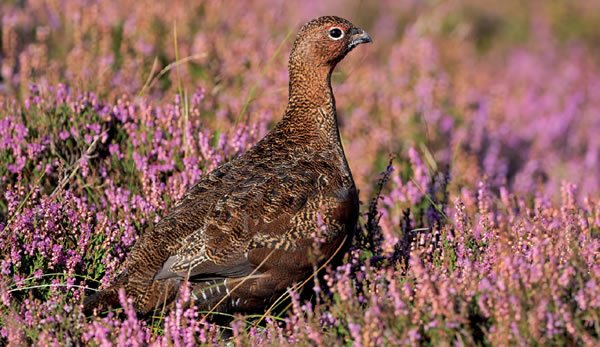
{"points": [[246, 231]]}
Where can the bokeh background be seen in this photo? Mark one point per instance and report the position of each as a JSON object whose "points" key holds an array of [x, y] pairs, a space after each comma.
{"points": [[490, 110], [510, 87]]}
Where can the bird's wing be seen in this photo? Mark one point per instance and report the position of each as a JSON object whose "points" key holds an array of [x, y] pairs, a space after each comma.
{"points": [[185, 217], [264, 206]]}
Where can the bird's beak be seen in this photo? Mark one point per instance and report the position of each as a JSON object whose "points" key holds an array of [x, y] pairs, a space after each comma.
{"points": [[358, 38]]}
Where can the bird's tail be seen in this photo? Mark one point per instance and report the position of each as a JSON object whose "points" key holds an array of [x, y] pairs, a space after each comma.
{"points": [[107, 298]]}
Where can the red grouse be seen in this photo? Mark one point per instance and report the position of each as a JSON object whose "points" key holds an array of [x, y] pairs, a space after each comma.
{"points": [[246, 231]]}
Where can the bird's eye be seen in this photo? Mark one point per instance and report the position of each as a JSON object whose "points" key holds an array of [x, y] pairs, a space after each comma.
{"points": [[336, 33]]}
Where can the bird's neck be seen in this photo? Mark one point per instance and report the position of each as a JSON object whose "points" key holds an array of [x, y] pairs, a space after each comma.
{"points": [[311, 105], [310, 87]]}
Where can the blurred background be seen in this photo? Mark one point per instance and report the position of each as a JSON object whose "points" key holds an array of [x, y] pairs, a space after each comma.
{"points": [[484, 230], [506, 90]]}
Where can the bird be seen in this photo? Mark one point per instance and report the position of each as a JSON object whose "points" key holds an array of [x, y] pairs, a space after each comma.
{"points": [[260, 223]]}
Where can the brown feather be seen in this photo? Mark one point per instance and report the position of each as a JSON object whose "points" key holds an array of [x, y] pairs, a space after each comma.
{"points": [[245, 232]]}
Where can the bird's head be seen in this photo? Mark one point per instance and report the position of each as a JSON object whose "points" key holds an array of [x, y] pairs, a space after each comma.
{"points": [[325, 41]]}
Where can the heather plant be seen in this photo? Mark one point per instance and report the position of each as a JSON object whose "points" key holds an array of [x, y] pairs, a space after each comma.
{"points": [[470, 127]]}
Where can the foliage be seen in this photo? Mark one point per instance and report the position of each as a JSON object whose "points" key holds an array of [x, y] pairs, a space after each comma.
{"points": [[484, 229]]}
